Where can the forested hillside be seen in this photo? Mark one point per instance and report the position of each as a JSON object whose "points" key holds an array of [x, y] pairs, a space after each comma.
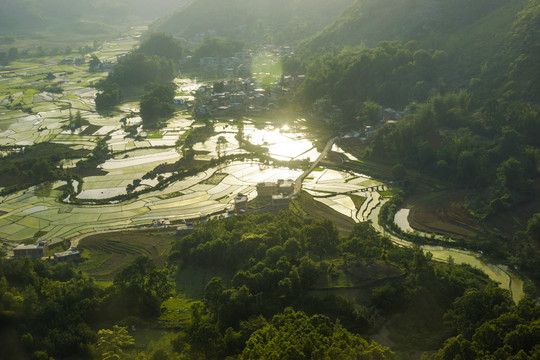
{"points": [[25, 17], [470, 87], [427, 21], [494, 41], [280, 21]]}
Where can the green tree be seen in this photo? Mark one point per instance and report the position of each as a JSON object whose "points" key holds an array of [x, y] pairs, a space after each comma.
{"points": [[112, 343], [203, 336], [13, 54], [370, 112], [94, 64], [42, 170], [163, 45], [533, 228], [477, 306], [217, 47], [221, 143], [142, 287], [156, 103], [294, 335], [511, 174], [109, 96]]}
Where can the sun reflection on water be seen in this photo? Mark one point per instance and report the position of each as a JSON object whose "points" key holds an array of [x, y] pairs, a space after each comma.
{"points": [[284, 145]]}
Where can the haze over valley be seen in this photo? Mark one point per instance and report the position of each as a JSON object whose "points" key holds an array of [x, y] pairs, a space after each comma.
{"points": [[257, 179]]}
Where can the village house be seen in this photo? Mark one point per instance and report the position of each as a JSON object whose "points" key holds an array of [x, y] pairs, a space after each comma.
{"points": [[280, 201], [266, 188], [281, 187], [285, 187], [38, 250], [68, 255], [241, 203]]}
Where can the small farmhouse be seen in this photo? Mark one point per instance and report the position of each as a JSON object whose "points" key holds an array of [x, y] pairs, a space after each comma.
{"points": [[32, 251]]}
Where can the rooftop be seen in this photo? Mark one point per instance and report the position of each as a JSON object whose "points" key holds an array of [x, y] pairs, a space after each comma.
{"points": [[40, 245], [67, 253]]}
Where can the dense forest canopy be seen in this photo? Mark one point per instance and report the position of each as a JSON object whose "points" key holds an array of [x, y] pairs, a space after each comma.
{"points": [[461, 56], [154, 61]]}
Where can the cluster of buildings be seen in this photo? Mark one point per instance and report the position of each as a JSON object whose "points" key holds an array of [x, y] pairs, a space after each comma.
{"points": [[241, 63], [280, 193], [237, 65], [76, 60], [244, 95], [41, 251]]}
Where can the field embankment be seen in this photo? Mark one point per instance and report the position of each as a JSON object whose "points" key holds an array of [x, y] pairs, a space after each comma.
{"points": [[443, 213], [106, 254]]}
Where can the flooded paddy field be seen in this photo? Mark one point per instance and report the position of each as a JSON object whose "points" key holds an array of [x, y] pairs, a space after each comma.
{"points": [[29, 212], [44, 213]]}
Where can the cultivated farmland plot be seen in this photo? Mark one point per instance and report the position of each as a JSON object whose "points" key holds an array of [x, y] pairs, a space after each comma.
{"points": [[32, 214]]}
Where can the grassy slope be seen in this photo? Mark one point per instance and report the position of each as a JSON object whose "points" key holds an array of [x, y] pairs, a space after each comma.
{"points": [[106, 254]]}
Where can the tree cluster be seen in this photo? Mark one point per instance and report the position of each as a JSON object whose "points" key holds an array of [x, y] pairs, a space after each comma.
{"points": [[157, 102], [154, 61], [489, 326], [54, 310], [37, 163], [392, 73]]}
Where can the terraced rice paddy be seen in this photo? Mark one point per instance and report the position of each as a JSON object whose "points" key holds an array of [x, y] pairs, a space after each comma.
{"points": [[335, 188], [26, 213], [107, 254]]}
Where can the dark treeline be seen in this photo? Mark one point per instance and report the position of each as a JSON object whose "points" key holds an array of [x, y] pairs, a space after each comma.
{"points": [[157, 102], [55, 312], [392, 74], [35, 164]]}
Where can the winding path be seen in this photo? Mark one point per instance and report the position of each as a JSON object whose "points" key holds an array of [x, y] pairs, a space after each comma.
{"points": [[300, 179]]}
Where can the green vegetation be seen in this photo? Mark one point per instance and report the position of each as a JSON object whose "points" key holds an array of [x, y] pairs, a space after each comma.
{"points": [[153, 62], [54, 310], [162, 45], [357, 200], [216, 47], [35, 164], [309, 282], [392, 73], [468, 122], [156, 103], [277, 262], [259, 21], [104, 255], [293, 334]]}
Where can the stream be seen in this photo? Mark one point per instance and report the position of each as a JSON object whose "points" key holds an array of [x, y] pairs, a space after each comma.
{"points": [[506, 278]]}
